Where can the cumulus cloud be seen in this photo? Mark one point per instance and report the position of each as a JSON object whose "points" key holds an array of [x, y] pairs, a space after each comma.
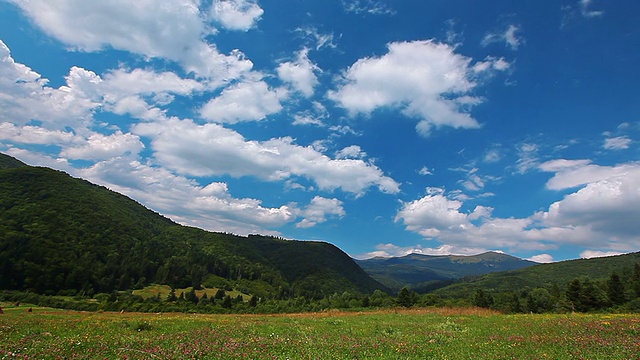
{"points": [[424, 79], [210, 149], [236, 14], [145, 81], [353, 152], [602, 213], [318, 211], [101, 147], [245, 101], [575, 173], [541, 258], [606, 204], [169, 29], [210, 207], [300, 73], [26, 97], [35, 135]]}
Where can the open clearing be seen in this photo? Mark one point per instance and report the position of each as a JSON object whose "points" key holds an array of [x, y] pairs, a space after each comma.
{"points": [[390, 334]]}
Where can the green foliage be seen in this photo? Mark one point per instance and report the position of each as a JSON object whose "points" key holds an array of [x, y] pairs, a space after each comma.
{"points": [[543, 276], [615, 290], [405, 298], [482, 299], [60, 235], [8, 162], [539, 301]]}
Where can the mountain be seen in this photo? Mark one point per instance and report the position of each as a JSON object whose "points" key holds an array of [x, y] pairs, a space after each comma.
{"points": [[424, 272], [544, 275], [8, 162], [59, 234]]}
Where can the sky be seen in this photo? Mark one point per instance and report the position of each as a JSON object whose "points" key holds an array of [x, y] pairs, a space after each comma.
{"points": [[383, 127]]}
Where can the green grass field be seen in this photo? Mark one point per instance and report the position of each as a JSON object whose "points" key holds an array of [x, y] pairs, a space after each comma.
{"points": [[400, 334]]}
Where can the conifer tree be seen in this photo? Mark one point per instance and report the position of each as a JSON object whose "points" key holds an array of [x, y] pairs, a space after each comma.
{"points": [[615, 289]]}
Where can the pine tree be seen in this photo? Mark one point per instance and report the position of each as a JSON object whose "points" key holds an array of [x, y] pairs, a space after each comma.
{"points": [[172, 296], [191, 296], [615, 290], [226, 302], [404, 298], [574, 290]]}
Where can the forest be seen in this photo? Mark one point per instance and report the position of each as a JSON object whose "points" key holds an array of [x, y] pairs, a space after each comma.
{"points": [[67, 243]]}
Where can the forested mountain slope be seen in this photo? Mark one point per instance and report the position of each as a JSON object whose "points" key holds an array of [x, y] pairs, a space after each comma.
{"points": [[418, 271], [545, 275], [59, 234]]}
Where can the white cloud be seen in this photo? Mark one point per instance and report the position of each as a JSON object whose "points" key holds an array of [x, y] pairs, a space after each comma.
{"points": [[313, 116], [541, 258], [236, 14], [586, 11], [432, 214], [300, 74], [169, 29], [392, 250], [210, 149], [245, 101], [509, 37], [425, 171], [424, 79], [35, 135], [601, 214], [574, 173], [318, 210], [527, 157], [353, 152], [144, 81], [210, 207], [39, 159], [367, 7], [606, 205], [617, 143], [492, 156], [102, 147], [25, 96], [590, 254], [320, 40], [563, 165]]}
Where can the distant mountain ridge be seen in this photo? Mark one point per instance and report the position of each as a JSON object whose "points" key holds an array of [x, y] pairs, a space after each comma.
{"points": [[59, 234], [424, 272]]}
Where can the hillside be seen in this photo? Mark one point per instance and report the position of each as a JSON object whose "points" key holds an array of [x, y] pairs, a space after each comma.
{"points": [[544, 275], [423, 271], [59, 234], [8, 162]]}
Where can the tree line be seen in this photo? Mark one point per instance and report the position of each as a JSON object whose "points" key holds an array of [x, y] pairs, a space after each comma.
{"points": [[619, 292]]}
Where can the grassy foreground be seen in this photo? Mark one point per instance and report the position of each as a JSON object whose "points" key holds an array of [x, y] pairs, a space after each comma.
{"points": [[400, 334]]}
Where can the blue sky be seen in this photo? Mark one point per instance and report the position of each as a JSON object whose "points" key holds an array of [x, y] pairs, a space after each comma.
{"points": [[383, 127]]}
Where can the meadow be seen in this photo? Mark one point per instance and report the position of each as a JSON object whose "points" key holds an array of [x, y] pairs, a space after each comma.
{"points": [[387, 334]]}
